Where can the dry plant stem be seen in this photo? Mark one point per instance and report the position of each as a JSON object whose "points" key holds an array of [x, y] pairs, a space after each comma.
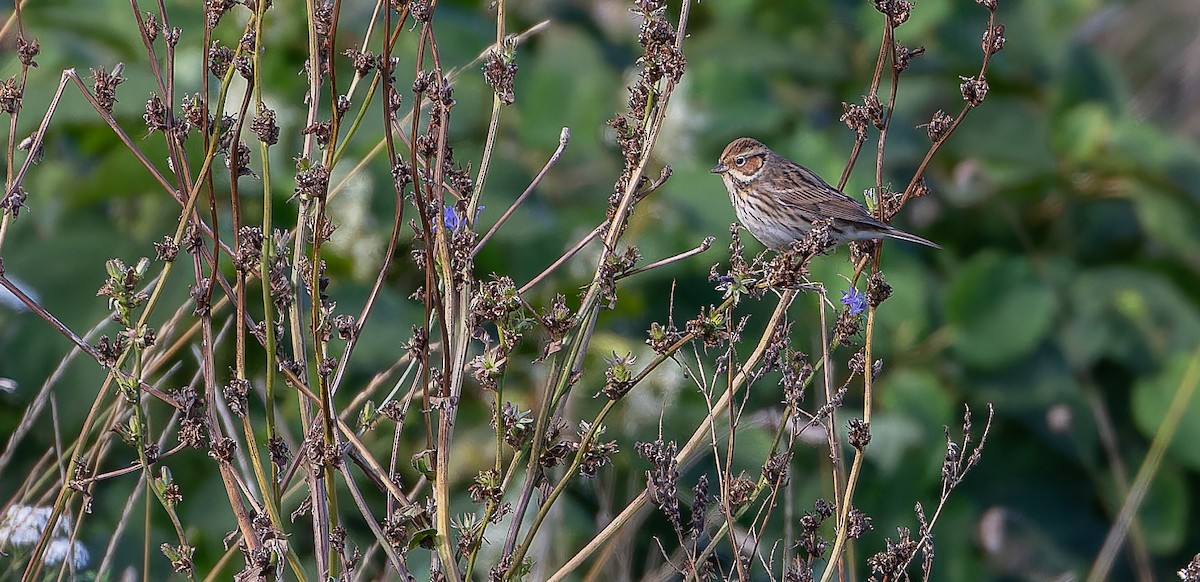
{"points": [[586, 442], [829, 422], [421, 202], [272, 494], [329, 511], [724, 474], [320, 348], [462, 333], [30, 416], [767, 506], [39, 136], [702, 247], [397, 219], [397, 560], [558, 385], [698, 440], [11, 150], [889, 41], [859, 453], [447, 310], [563, 137], [48, 317], [563, 259], [861, 138], [1120, 475], [911, 189], [1145, 475], [887, 55], [263, 474], [927, 538], [227, 476], [324, 512], [485, 161]]}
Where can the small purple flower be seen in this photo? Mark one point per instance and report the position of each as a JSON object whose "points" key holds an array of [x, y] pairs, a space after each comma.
{"points": [[855, 300], [453, 220], [451, 217]]}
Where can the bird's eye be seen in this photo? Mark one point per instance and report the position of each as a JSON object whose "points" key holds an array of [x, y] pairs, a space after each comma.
{"points": [[740, 160]]}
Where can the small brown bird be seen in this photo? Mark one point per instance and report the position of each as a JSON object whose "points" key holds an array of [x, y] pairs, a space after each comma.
{"points": [[778, 200]]}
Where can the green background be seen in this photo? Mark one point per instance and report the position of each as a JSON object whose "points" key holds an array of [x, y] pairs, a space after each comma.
{"points": [[1067, 294]]}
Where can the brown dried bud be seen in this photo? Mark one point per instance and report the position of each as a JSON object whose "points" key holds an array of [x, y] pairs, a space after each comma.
{"points": [[973, 90], [860, 433], [939, 125], [27, 49], [993, 39], [904, 55], [499, 72]]}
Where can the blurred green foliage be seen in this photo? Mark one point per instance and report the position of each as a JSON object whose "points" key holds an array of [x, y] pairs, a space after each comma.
{"points": [[1067, 295]]}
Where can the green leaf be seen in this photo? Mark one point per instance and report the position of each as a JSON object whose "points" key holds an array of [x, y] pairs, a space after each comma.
{"points": [[1084, 131], [904, 317], [892, 436], [1164, 512], [1127, 314], [1167, 219], [424, 538], [999, 310], [1152, 399], [919, 394]]}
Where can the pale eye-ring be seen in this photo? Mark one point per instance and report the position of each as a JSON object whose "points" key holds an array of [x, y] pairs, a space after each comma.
{"points": [[740, 161]]}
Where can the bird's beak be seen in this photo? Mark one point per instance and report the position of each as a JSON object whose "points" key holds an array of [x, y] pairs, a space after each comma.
{"points": [[720, 168]]}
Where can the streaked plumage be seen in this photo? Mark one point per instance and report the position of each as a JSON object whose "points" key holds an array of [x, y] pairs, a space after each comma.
{"points": [[777, 200]]}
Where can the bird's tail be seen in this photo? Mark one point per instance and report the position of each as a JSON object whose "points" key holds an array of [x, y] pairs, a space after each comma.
{"points": [[901, 235]]}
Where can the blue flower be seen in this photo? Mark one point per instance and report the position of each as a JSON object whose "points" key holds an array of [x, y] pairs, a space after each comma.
{"points": [[855, 300], [453, 220]]}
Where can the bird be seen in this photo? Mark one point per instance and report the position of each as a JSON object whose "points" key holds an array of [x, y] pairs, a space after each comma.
{"points": [[778, 200]]}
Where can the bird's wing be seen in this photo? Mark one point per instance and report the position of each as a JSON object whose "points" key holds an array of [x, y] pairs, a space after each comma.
{"points": [[817, 197]]}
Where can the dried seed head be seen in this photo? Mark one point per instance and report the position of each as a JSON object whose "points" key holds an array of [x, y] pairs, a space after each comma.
{"points": [[150, 26], [105, 85], [363, 61], [857, 523], [27, 49], [10, 95], [939, 125], [878, 289], [973, 90], [264, 127], [219, 59], [156, 113], [993, 39], [897, 10], [905, 55], [860, 433], [499, 72]]}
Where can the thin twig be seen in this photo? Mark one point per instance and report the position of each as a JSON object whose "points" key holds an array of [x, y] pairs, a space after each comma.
{"points": [[563, 138]]}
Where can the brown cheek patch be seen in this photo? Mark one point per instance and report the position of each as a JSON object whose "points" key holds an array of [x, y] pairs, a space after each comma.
{"points": [[752, 166]]}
